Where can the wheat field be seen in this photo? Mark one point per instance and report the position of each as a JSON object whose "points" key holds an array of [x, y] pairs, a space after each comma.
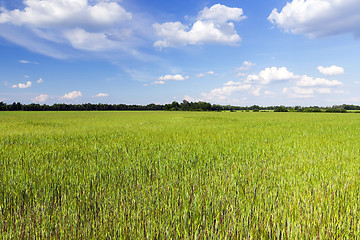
{"points": [[179, 175]]}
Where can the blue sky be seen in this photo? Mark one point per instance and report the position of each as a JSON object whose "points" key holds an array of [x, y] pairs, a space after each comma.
{"points": [[244, 52]]}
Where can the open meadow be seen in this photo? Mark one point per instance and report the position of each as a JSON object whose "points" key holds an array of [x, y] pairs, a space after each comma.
{"points": [[179, 175]]}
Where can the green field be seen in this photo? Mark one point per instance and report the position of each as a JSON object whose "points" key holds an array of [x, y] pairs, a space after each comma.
{"points": [[179, 175]]}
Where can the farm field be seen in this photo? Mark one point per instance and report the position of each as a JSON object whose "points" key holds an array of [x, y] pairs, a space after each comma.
{"points": [[179, 175]]}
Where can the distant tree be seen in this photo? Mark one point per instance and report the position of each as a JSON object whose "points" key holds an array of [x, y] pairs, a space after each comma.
{"points": [[336, 110], [281, 109], [254, 107], [185, 105]]}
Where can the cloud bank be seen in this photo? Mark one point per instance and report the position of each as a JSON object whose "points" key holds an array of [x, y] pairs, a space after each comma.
{"points": [[301, 86]]}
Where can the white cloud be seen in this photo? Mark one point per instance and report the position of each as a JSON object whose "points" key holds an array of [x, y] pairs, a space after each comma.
{"points": [[102, 95], [246, 66], [269, 93], [213, 25], [176, 77], [163, 79], [54, 13], [22, 85], [86, 25], [192, 99], [26, 61], [256, 91], [40, 80], [72, 95], [298, 92], [158, 83], [269, 75], [332, 70], [221, 94], [273, 74], [306, 81], [318, 18], [41, 98], [241, 74], [200, 75], [81, 39]]}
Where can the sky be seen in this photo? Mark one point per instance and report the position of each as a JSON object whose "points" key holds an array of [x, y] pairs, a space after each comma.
{"points": [[231, 52]]}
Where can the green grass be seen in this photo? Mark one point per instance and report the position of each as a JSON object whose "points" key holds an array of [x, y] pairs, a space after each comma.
{"points": [[179, 175]]}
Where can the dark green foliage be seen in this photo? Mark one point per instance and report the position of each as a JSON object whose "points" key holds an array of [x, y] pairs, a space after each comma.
{"points": [[336, 110], [281, 109], [174, 106]]}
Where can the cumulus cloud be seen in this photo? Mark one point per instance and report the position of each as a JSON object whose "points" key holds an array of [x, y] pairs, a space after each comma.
{"points": [[85, 25], [53, 13], [318, 18], [200, 75], [40, 80], [163, 79], [221, 94], [332, 70], [269, 75], [274, 74], [102, 95], [176, 77], [213, 25], [41, 98], [306, 81], [22, 85], [72, 95]]}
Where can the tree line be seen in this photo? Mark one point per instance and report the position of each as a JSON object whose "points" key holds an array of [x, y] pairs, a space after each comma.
{"points": [[174, 106]]}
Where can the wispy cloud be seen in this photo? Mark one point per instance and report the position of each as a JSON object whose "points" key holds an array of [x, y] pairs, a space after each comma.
{"points": [[246, 66], [158, 82], [27, 62], [102, 95], [200, 75]]}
